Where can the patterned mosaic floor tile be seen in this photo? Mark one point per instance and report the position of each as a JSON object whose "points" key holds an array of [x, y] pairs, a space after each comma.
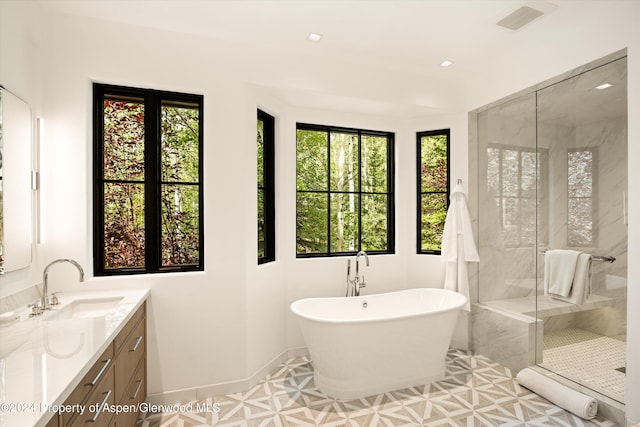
{"points": [[475, 392]]}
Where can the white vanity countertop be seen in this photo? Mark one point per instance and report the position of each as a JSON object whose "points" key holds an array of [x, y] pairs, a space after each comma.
{"points": [[42, 361]]}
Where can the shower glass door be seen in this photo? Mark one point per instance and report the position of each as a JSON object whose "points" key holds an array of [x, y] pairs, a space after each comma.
{"points": [[581, 133]]}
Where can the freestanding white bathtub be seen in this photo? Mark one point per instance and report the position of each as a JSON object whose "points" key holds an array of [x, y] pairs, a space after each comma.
{"points": [[371, 344]]}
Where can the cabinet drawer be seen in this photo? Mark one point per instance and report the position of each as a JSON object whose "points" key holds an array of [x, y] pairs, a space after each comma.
{"points": [[137, 391], [103, 394], [122, 337], [131, 353], [90, 382], [135, 394]]}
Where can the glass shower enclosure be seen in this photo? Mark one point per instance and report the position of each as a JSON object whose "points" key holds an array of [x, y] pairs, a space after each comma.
{"points": [[550, 166]]}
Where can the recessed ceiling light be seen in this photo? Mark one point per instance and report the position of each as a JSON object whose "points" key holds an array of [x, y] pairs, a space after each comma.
{"points": [[314, 37], [446, 63], [604, 86]]}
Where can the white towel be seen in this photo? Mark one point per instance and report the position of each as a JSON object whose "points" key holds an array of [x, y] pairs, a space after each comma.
{"points": [[458, 246], [581, 288], [571, 400], [559, 270], [458, 223]]}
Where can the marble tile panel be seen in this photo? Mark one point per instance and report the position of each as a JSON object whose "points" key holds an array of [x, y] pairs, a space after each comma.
{"points": [[19, 300]]}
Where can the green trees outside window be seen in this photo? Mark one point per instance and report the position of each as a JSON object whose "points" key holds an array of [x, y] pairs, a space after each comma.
{"points": [[344, 185], [148, 197], [266, 187], [433, 189]]}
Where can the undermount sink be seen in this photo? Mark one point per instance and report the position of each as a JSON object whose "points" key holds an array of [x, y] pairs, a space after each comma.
{"points": [[84, 308]]}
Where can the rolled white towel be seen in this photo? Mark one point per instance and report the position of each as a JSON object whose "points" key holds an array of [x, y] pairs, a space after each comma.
{"points": [[571, 400]]}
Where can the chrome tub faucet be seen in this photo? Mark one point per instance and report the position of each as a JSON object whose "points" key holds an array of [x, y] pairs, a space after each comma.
{"points": [[354, 285]]}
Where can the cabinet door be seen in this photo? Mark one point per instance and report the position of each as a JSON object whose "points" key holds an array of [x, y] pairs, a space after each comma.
{"points": [[122, 337]]}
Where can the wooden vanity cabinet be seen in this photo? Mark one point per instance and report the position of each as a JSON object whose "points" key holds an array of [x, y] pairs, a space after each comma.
{"points": [[118, 379]]}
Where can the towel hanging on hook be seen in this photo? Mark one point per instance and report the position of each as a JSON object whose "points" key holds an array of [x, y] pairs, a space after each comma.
{"points": [[458, 245]]}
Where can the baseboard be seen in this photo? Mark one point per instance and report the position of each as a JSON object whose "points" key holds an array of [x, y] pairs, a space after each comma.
{"points": [[297, 352], [219, 389]]}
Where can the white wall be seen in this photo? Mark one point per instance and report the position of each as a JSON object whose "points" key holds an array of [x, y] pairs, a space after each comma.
{"points": [[265, 310]]}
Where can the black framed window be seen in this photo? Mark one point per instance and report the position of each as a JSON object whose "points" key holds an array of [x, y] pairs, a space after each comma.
{"points": [[433, 188], [148, 186], [345, 191], [266, 188]]}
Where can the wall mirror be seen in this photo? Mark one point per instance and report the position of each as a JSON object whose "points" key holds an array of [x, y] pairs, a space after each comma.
{"points": [[15, 182]]}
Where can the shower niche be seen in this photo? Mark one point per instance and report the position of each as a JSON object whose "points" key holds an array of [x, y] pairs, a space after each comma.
{"points": [[550, 170]]}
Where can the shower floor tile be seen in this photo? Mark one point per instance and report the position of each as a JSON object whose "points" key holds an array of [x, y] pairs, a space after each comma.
{"points": [[590, 359], [475, 392]]}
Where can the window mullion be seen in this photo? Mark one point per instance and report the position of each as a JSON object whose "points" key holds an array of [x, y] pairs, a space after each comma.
{"points": [[98, 188], [391, 209], [152, 202], [328, 191], [359, 247]]}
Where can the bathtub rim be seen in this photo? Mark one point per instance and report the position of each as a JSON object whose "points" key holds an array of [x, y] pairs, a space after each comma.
{"points": [[453, 306]]}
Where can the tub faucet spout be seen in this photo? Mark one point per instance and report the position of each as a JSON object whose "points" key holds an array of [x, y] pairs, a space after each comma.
{"points": [[354, 285]]}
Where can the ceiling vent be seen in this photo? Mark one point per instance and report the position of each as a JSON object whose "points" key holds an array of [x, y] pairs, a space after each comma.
{"points": [[520, 18]]}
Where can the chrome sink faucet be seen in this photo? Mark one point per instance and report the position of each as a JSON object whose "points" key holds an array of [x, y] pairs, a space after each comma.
{"points": [[47, 300], [354, 285]]}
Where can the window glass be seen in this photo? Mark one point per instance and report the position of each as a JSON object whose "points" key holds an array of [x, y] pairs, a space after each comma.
{"points": [[433, 191]]}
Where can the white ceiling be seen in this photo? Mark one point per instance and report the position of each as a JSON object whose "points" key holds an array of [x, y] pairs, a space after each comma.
{"points": [[376, 56]]}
